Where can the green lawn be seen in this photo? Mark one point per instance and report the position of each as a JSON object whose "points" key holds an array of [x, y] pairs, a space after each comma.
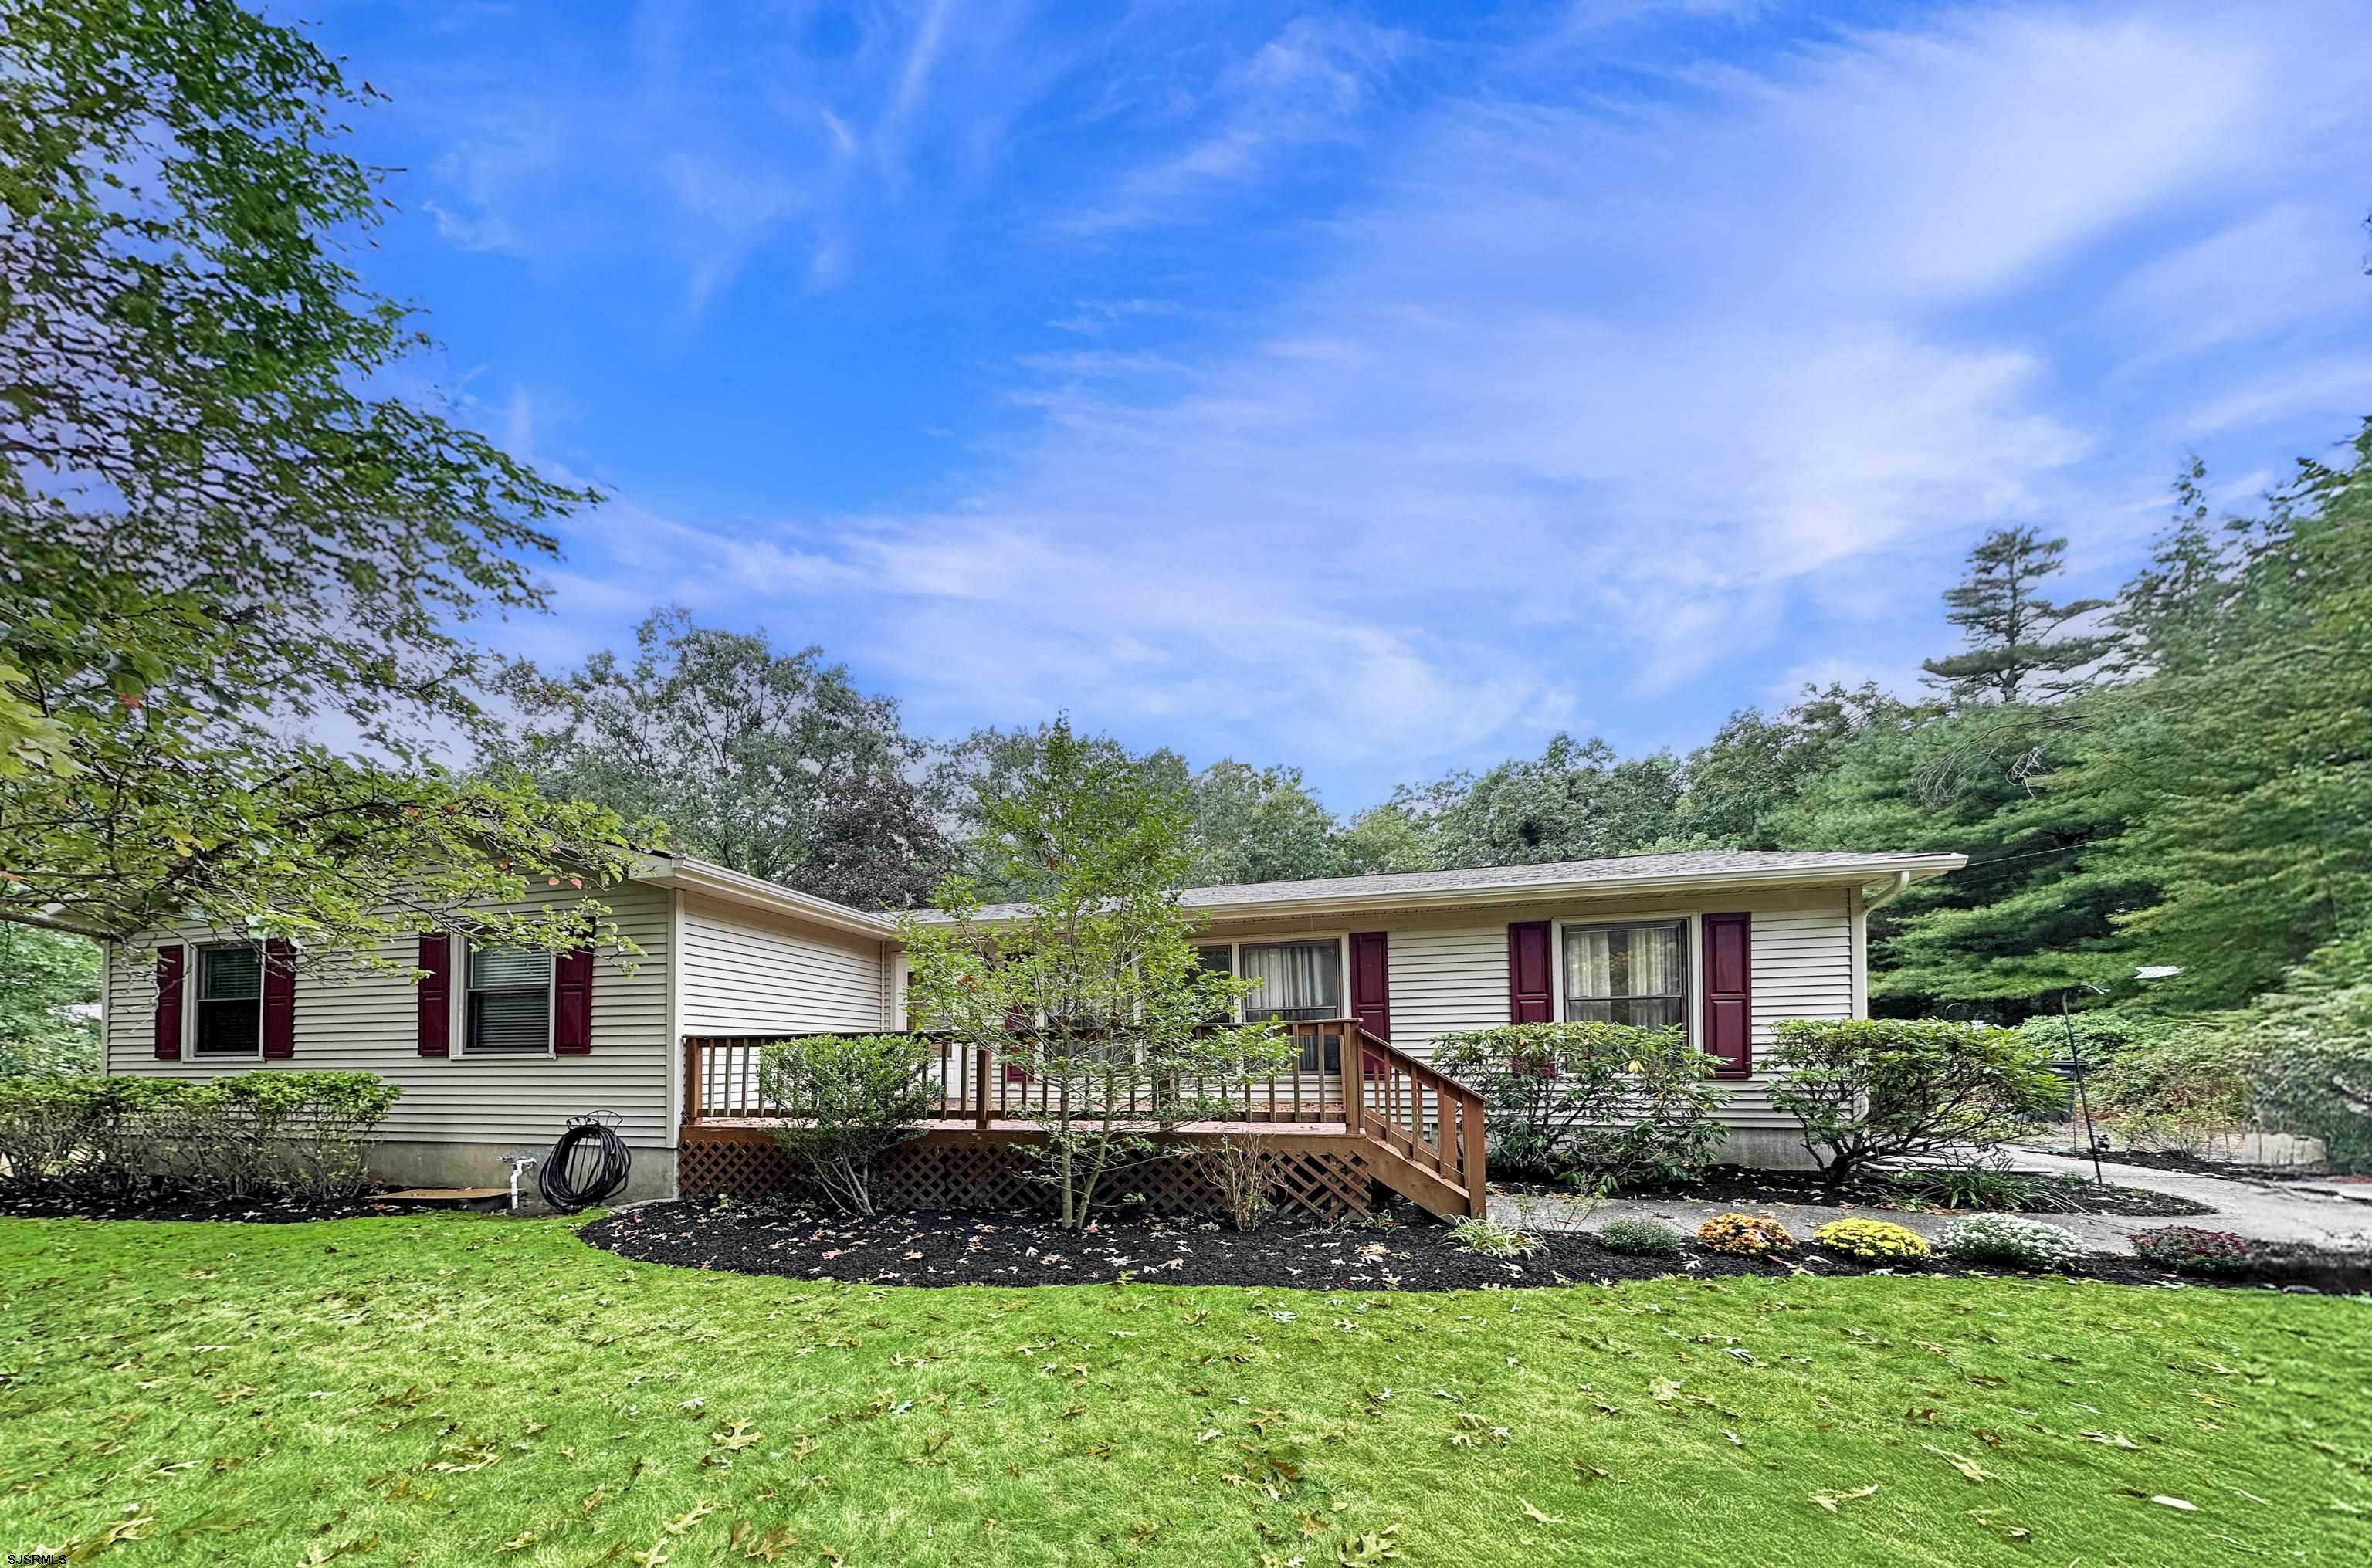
{"points": [[465, 1391]]}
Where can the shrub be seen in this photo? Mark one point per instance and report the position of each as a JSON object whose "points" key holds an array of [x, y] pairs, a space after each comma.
{"points": [[1242, 1166], [856, 1097], [1868, 1089], [1599, 1102], [2025, 1244], [1639, 1235], [2309, 1053], [1745, 1236], [242, 1136], [1492, 1239], [2185, 1091], [1966, 1186], [1873, 1241], [2187, 1249]]}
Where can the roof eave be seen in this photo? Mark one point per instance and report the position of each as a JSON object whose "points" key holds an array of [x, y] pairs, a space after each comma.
{"points": [[734, 887], [1920, 869], [1927, 868]]}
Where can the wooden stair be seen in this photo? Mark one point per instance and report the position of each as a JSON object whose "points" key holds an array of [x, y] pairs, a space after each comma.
{"points": [[1424, 1130]]}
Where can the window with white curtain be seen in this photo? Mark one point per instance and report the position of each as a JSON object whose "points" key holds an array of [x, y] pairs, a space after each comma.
{"points": [[509, 1003], [1627, 974], [1297, 980]]}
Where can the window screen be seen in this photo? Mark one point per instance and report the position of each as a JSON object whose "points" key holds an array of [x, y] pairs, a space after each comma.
{"points": [[1627, 974], [230, 1002], [510, 1002], [1297, 980]]}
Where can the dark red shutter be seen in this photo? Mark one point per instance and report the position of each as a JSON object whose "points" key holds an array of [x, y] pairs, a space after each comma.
{"points": [[1371, 982], [437, 996], [170, 962], [1729, 993], [1529, 974], [572, 1001], [279, 999], [1371, 991]]}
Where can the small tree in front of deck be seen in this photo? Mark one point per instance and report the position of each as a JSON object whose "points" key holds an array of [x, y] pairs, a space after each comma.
{"points": [[1089, 999]]}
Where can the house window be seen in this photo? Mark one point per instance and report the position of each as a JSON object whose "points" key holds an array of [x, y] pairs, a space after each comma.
{"points": [[1219, 958], [1297, 980], [509, 1003], [230, 1002], [1627, 974]]}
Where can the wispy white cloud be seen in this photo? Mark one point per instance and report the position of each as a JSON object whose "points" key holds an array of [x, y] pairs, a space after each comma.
{"points": [[1581, 402], [1309, 84]]}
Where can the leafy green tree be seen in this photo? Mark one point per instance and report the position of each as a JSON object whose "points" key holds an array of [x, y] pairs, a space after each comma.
{"points": [[1094, 992], [215, 527], [2306, 1053], [974, 776], [2013, 632], [1388, 837], [2253, 751], [1577, 800], [1261, 825], [771, 763], [49, 1001], [2037, 909], [1755, 767]]}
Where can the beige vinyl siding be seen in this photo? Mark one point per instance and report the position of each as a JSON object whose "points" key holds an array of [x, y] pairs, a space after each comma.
{"points": [[360, 1020], [1449, 968], [1444, 980], [746, 971]]}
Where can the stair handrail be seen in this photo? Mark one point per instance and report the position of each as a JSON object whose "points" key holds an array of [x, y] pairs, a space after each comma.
{"points": [[1471, 1113]]}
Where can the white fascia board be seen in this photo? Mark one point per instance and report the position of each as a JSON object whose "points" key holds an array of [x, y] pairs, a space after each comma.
{"points": [[740, 887], [1887, 872]]}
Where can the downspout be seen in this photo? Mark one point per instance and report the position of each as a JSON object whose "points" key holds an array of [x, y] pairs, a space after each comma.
{"points": [[1902, 885]]}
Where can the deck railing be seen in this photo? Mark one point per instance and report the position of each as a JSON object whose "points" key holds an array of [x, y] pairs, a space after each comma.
{"points": [[1343, 1076], [721, 1080]]}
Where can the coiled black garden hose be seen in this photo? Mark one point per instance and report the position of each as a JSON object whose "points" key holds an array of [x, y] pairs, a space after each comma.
{"points": [[587, 1165]]}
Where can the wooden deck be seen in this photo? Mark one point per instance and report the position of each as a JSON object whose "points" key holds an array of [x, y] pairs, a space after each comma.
{"points": [[1391, 1119]]}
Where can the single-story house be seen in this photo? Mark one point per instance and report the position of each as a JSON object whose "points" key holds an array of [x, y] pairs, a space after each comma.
{"points": [[496, 1051]]}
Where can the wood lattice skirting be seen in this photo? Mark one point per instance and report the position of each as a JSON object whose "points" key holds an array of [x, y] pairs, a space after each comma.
{"points": [[1326, 1176]]}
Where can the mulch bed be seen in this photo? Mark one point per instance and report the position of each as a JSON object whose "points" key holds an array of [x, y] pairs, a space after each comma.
{"points": [[252, 1210], [939, 1246], [1746, 1185]]}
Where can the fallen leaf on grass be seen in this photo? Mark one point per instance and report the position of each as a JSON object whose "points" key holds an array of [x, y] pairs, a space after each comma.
{"points": [[1829, 1502], [1960, 1462], [1536, 1517], [2176, 1503]]}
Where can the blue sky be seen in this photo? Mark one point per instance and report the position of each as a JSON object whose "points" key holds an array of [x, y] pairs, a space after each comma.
{"points": [[1376, 389]]}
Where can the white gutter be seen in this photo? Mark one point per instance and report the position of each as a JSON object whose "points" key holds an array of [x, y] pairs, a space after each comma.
{"points": [[1902, 880], [1903, 870]]}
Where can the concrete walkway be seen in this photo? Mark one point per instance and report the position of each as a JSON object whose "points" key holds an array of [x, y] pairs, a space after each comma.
{"points": [[2266, 1210]]}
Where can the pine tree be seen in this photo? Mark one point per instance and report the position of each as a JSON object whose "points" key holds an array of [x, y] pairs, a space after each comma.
{"points": [[2011, 629]]}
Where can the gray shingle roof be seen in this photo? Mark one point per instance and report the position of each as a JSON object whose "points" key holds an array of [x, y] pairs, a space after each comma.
{"points": [[1552, 876]]}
